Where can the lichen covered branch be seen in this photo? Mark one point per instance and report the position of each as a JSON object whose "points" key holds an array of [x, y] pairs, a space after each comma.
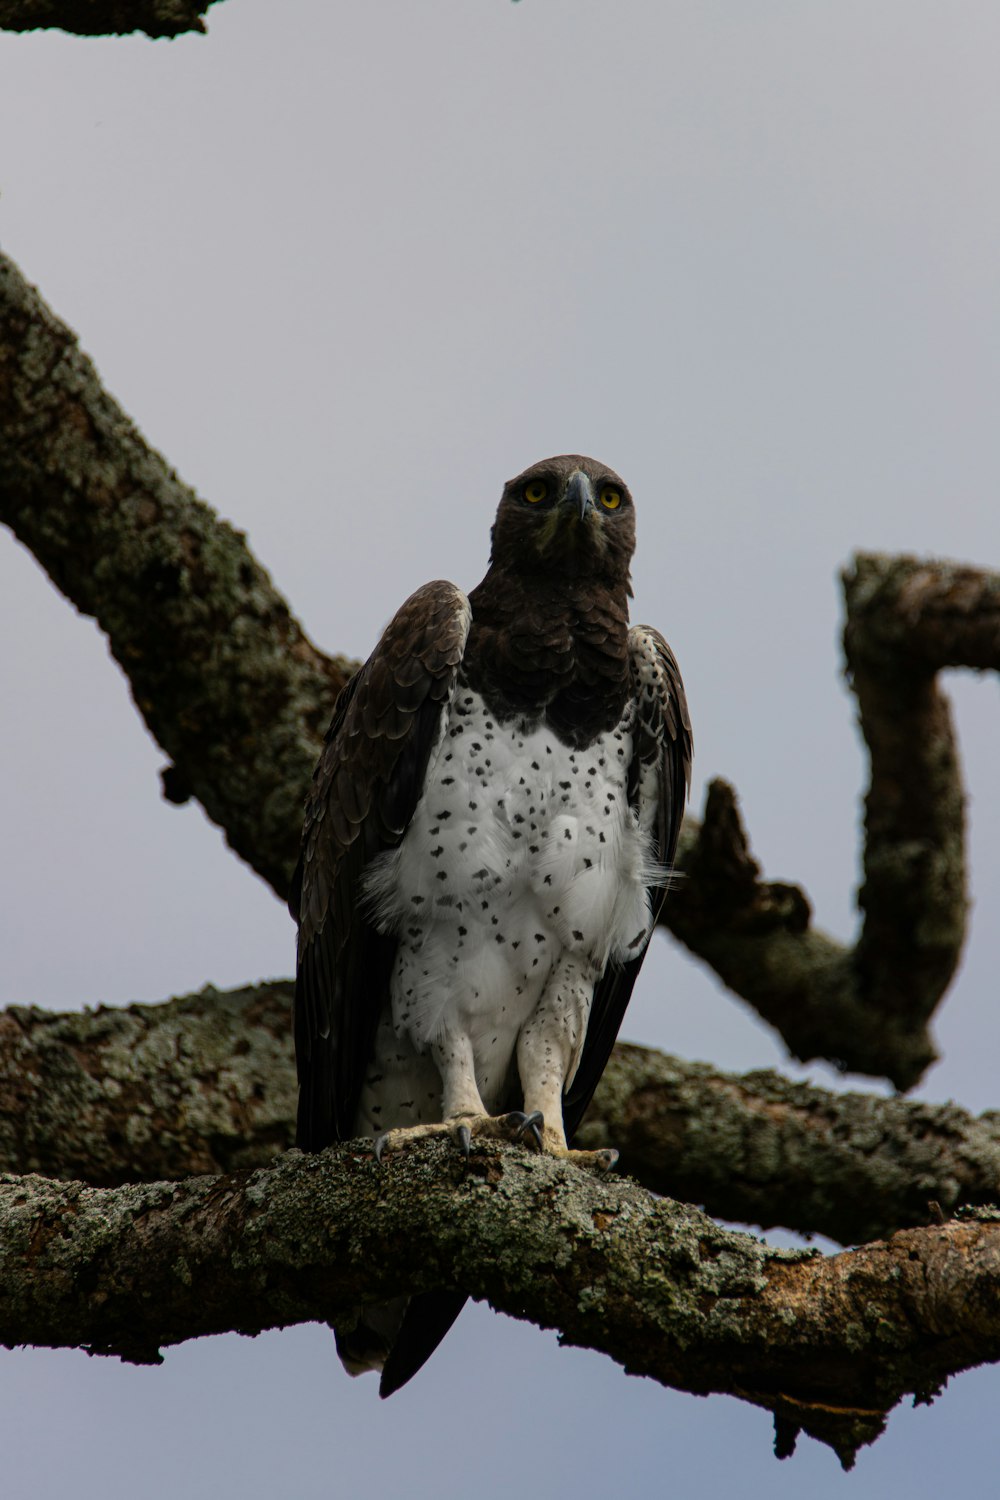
{"points": [[829, 1345], [759, 1149], [868, 1007], [206, 1083], [223, 675], [239, 698], [906, 620], [758, 937]]}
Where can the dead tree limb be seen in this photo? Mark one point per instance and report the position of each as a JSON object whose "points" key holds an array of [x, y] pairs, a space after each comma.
{"points": [[225, 678], [238, 697], [906, 620], [828, 1345], [867, 1007], [206, 1084], [758, 937]]}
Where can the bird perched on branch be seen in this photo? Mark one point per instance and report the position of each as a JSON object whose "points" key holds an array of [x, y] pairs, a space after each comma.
{"points": [[488, 839]]}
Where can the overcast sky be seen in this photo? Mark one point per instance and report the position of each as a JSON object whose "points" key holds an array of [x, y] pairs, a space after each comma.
{"points": [[350, 267]]}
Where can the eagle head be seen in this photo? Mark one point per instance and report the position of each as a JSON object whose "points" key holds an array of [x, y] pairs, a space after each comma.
{"points": [[568, 515]]}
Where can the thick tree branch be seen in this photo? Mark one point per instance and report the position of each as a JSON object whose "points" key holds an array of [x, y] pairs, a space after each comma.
{"points": [[866, 1007], [758, 937], [238, 697], [759, 1149], [225, 679], [906, 620], [829, 1345], [925, 615], [207, 1084], [156, 18]]}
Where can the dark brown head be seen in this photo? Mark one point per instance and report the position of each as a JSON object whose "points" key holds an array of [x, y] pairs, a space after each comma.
{"points": [[568, 516]]}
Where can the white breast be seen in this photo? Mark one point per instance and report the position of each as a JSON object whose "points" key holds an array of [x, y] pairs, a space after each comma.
{"points": [[520, 850]]}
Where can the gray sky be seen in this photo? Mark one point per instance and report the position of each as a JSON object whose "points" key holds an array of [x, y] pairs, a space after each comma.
{"points": [[350, 268]]}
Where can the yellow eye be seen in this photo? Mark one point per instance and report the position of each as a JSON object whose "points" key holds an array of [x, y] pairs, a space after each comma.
{"points": [[611, 499], [535, 492]]}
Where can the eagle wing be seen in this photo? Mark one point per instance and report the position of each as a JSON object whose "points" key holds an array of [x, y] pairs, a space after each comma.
{"points": [[363, 795], [659, 781]]}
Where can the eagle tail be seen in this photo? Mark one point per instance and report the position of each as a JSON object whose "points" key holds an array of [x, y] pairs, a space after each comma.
{"points": [[426, 1320]]}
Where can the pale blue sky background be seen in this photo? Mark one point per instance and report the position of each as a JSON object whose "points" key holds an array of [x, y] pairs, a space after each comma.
{"points": [[351, 267]]}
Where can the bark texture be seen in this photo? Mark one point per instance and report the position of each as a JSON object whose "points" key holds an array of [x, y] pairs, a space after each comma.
{"points": [[157, 18], [206, 1083], [760, 1149], [758, 937], [906, 620], [867, 1008], [828, 1345], [225, 679]]}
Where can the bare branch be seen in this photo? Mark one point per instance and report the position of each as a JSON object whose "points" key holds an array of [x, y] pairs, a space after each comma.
{"points": [[225, 679], [867, 1008], [105, 17], [758, 937], [922, 614], [905, 621], [238, 697], [759, 1149], [207, 1084], [829, 1345]]}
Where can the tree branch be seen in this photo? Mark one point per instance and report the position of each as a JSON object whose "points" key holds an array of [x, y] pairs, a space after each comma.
{"points": [[207, 1084], [906, 620], [201, 1084], [866, 1007], [238, 697], [156, 18], [759, 1149], [224, 677], [758, 937], [829, 1345]]}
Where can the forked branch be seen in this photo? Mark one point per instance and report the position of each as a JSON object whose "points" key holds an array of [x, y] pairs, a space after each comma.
{"points": [[238, 697]]}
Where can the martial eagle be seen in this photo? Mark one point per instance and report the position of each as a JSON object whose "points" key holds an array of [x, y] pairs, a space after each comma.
{"points": [[487, 841]]}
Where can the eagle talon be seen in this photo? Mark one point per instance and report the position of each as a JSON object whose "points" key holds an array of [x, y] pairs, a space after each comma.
{"points": [[378, 1145], [600, 1161], [535, 1123], [513, 1125], [464, 1137]]}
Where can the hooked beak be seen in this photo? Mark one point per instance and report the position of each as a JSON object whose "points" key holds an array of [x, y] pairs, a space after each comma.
{"points": [[580, 493]]}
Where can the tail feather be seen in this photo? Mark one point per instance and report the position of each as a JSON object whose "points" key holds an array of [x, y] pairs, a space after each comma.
{"points": [[427, 1319]]}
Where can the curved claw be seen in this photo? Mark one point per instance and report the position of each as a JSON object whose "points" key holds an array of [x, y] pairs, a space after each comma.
{"points": [[464, 1137], [534, 1122], [379, 1146]]}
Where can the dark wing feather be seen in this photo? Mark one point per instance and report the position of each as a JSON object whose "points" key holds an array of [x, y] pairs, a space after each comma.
{"points": [[660, 770], [364, 791]]}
